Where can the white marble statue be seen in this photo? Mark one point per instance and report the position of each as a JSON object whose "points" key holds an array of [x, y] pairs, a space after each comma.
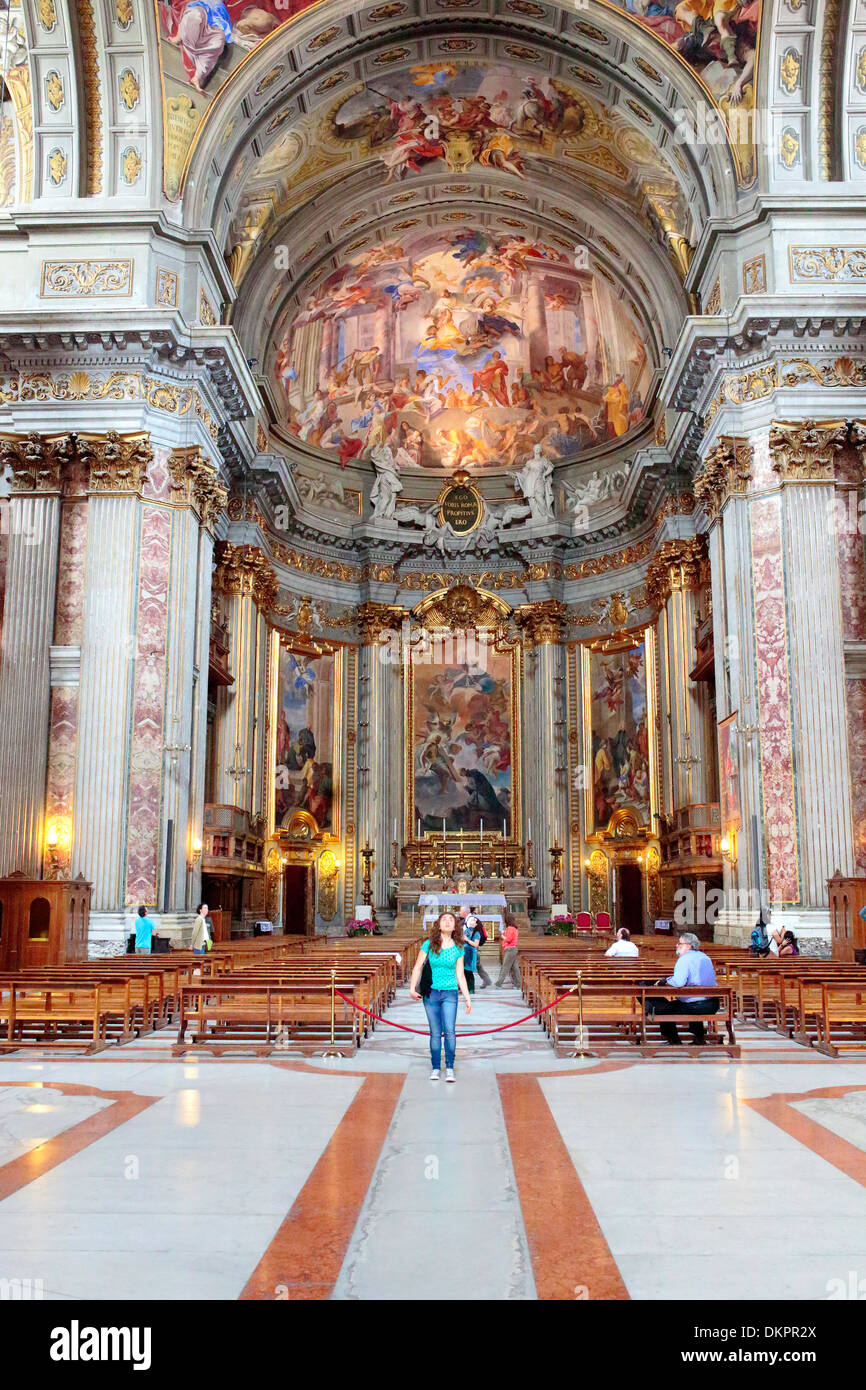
{"points": [[598, 487], [535, 483], [387, 487]]}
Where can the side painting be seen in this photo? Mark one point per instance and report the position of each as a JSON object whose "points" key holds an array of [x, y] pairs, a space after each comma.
{"points": [[620, 734], [729, 775], [462, 745], [305, 739]]}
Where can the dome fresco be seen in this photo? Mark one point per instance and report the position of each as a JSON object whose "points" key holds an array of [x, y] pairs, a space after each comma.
{"points": [[464, 349]]}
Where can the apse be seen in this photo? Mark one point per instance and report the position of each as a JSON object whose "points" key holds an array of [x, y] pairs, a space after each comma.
{"points": [[463, 349]]}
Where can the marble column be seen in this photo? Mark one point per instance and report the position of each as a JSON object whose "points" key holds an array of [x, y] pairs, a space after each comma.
{"points": [[247, 583], [198, 499], [780, 667], [674, 579], [110, 654], [381, 744], [545, 762], [37, 466]]}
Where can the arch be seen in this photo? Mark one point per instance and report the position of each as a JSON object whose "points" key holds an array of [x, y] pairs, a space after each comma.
{"points": [[39, 920]]}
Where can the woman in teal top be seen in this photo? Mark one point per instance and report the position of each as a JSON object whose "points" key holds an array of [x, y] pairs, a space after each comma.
{"points": [[444, 950]]}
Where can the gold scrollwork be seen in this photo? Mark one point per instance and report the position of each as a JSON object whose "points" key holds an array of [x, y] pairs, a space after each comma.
{"points": [[327, 874], [829, 263], [86, 278]]}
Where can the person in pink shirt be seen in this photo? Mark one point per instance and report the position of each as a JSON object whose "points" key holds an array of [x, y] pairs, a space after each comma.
{"points": [[509, 965]]}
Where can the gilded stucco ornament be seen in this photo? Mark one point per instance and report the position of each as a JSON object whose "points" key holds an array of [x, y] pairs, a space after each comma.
{"points": [[117, 463], [805, 450], [725, 472]]}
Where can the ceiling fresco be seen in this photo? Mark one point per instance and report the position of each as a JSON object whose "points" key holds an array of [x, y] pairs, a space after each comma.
{"points": [[460, 116], [490, 122], [204, 42], [462, 348]]}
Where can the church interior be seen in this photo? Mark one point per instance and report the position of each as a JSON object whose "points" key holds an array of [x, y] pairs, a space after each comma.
{"points": [[432, 481]]}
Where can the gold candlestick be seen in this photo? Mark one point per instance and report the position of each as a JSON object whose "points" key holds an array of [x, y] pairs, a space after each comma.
{"points": [[556, 870], [367, 855], [395, 867]]}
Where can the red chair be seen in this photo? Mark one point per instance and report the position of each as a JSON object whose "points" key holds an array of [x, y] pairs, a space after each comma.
{"points": [[602, 921], [583, 921]]}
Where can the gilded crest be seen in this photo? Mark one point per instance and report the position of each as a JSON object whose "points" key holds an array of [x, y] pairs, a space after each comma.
{"points": [[789, 70], [129, 89], [54, 94], [130, 165], [57, 167]]}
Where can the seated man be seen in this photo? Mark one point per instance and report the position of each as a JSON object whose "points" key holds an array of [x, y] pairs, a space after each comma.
{"points": [[693, 967], [623, 945]]}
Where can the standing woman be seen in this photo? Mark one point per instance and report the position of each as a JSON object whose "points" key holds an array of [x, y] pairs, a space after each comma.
{"points": [[444, 950], [201, 931]]}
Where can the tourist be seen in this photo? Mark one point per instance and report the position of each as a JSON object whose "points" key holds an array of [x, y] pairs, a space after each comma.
{"points": [[509, 966], [444, 950], [786, 942], [470, 956], [201, 937], [144, 929], [693, 967], [474, 932], [623, 945]]}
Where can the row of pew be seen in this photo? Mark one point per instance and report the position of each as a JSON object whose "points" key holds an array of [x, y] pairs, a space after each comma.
{"points": [[817, 1003], [259, 995]]}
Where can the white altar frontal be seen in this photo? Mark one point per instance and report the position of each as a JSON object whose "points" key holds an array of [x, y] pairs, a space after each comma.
{"points": [[488, 907]]}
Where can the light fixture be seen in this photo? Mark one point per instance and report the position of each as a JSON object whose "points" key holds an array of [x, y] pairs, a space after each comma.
{"points": [[51, 837], [728, 847]]}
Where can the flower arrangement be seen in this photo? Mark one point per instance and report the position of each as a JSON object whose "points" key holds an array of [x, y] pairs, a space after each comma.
{"points": [[357, 926], [560, 926]]}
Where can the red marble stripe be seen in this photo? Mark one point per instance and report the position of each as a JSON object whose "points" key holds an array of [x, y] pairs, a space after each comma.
{"points": [[570, 1257], [306, 1255], [811, 1133]]}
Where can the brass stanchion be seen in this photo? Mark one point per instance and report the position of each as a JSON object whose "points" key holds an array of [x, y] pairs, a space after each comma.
{"points": [[333, 1050], [581, 1050]]}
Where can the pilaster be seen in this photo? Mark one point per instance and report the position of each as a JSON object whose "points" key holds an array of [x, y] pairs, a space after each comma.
{"points": [[544, 738]]}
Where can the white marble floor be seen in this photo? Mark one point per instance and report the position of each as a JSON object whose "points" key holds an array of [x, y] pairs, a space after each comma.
{"points": [[135, 1175]]}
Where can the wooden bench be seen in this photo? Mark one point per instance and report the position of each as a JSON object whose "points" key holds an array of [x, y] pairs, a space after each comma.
{"points": [[243, 1016], [34, 1015], [842, 1021]]}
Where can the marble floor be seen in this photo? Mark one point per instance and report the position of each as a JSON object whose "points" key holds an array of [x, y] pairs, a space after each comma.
{"points": [[135, 1175]]}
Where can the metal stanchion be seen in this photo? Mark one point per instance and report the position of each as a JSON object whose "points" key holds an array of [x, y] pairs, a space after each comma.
{"points": [[333, 1050], [582, 1050]]}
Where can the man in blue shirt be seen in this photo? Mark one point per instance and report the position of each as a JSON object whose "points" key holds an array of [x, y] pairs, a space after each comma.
{"points": [[693, 967], [144, 929]]}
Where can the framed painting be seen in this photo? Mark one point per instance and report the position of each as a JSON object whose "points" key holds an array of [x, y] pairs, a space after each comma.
{"points": [[619, 691], [463, 722], [307, 739], [729, 774]]}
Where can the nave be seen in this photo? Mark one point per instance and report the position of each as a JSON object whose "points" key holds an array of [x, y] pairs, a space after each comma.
{"points": [[133, 1174]]}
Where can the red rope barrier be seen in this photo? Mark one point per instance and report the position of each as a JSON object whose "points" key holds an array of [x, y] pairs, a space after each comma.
{"points": [[480, 1033]]}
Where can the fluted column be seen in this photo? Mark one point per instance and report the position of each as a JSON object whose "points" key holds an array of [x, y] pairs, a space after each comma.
{"points": [[780, 667], [545, 769], [109, 648], [804, 457], [674, 580], [380, 744], [25, 695], [247, 581], [198, 499]]}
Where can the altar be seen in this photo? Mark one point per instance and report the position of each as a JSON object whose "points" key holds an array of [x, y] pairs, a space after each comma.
{"points": [[489, 908], [420, 900]]}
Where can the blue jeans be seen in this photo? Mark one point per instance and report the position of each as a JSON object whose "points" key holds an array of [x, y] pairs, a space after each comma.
{"points": [[440, 1006]]}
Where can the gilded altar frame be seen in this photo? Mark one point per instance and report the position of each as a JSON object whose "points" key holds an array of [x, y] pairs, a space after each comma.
{"points": [[448, 613], [621, 642], [302, 648]]}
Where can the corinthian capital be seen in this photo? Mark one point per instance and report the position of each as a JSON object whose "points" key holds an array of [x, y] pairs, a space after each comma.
{"points": [[245, 569], [725, 471], [36, 462], [542, 623], [805, 450], [677, 565], [117, 463], [196, 483]]}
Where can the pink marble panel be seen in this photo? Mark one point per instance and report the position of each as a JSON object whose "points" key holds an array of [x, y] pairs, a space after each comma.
{"points": [[71, 575], [158, 482], [60, 773], [774, 700], [852, 579], [146, 756], [855, 693]]}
